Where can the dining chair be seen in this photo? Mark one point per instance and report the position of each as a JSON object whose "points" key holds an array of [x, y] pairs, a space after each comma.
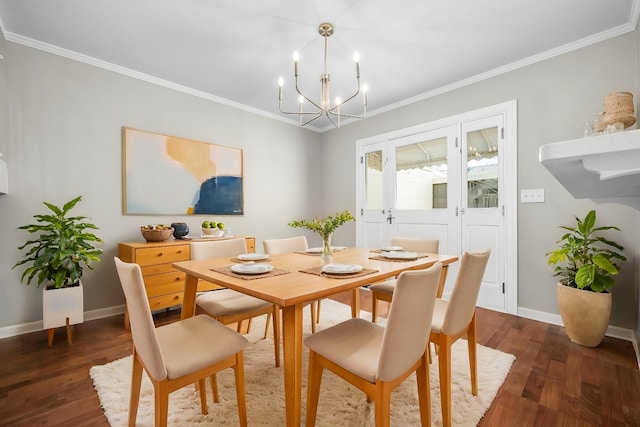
{"points": [[293, 244], [226, 305], [456, 318], [178, 354], [374, 358], [383, 291]]}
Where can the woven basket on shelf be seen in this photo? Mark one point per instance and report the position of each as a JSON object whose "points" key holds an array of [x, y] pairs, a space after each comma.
{"points": [[156, 235], [617, 108]]}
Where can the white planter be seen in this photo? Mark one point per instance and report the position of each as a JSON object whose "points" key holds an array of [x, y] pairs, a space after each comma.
{"points": [[60, 304]]}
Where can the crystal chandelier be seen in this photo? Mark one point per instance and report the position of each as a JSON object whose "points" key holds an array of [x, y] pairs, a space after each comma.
{"points": [[324, 106]]}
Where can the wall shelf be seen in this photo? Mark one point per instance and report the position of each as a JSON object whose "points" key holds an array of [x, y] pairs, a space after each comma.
{"points": [[604, 168]]}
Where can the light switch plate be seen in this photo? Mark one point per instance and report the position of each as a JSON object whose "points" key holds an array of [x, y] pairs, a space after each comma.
{"points": [[535, 195]]}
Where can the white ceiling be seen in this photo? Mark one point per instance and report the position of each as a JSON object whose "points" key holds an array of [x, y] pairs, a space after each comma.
{"points": [[234, 51]]}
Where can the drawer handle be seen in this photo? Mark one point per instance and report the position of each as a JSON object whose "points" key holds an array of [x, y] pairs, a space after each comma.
{"points": [[180, 251], [160, 254], [177, 279]]}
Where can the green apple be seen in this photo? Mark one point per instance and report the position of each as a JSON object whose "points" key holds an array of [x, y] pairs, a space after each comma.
{"points": [[206, 224], [220, 225]]}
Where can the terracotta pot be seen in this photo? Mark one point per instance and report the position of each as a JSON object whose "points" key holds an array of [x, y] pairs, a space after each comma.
{"points": [[585, 314]]}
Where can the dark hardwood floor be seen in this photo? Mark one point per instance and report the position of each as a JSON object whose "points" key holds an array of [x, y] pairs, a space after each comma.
{"points": [[552, 382]]}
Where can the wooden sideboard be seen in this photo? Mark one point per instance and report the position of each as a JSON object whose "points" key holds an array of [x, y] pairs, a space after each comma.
{"points": [[163, 283]]}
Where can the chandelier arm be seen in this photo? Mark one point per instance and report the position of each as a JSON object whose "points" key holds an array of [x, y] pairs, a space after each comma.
{"points": [[326, 112], [311, 119], [305, 97]]}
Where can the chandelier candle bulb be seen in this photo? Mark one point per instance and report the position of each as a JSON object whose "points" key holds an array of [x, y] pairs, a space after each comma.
{"points": [[356, 58]]}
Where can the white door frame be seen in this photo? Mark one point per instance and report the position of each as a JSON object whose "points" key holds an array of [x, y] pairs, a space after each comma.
{"points": [[509, 109]]}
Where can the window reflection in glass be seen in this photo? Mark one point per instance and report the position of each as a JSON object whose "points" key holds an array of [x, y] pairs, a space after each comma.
{"points": [[421, 175], [482, 168], [373, 180]]}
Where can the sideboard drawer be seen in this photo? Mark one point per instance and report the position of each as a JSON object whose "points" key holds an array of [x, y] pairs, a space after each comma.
{"points": [[162, 255], [162, 284]]}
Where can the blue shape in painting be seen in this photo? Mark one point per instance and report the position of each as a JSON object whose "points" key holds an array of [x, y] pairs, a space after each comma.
{"points": [[220, 195]]}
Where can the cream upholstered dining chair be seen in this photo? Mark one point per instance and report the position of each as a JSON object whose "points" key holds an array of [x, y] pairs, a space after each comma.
{"points": [[456, 318], [293, 244], [226, 305], [384, 290], [178, 354], [376, 359]]}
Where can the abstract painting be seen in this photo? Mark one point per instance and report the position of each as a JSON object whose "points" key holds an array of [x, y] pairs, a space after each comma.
{"points": [[169, 175]]}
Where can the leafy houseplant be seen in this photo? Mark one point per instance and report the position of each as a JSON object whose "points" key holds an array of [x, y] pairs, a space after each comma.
{"points": [[588, 260], [585, 263], [58, 253], [325, 228]]}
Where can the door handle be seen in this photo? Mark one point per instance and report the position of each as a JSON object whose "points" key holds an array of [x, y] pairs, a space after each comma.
{"points": [[390, 218]]}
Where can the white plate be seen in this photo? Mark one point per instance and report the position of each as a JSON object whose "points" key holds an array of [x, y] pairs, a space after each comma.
{"points": [[400, 255], [391, 248], [253, 257], [341, 268], [251, 268]]}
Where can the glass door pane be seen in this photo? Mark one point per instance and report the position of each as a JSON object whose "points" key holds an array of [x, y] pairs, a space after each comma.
{"points": [[374, 193], [482, 168], [421, 175]]}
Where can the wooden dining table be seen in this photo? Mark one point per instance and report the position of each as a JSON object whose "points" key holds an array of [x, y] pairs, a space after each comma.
{"points": [[298, 282]]}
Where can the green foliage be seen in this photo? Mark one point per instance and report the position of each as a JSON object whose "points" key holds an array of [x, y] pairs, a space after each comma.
{"points": [[58, 252], [325, 226], [585, 260]]}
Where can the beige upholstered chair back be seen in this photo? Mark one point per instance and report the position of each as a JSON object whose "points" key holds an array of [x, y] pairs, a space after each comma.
{"points": [[464, 296], [218, 248], [409, 321], [281, 246], [143, 330], [416, 245]]}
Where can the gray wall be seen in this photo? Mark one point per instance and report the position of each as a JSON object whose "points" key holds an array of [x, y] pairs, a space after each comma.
{"points": [[555, 98], [60, 132], [64, 139]]}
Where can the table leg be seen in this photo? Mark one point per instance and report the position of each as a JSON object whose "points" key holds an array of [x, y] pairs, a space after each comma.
{"points": [[355, 302], [189, 299], [292, 346]]}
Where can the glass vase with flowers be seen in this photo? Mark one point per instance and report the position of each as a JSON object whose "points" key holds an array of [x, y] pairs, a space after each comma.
{"points": [[325, 228]]}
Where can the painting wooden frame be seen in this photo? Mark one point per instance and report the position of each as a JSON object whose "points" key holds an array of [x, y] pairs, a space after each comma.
{"points": [[170, 175]]}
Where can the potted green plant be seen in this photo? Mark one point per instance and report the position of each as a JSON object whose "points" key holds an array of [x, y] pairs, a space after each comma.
{"points": [[57, 256], [325, 228], [585, 262]]}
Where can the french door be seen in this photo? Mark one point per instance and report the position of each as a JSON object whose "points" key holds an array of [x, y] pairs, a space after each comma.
{"points": [[445, 183]]}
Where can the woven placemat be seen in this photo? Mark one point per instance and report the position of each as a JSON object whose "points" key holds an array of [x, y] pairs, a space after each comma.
{"points": [[381, 258], [318, 272], [227, 271]]}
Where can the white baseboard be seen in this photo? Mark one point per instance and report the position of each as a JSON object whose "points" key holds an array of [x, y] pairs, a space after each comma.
{"points": [[26, 328]]}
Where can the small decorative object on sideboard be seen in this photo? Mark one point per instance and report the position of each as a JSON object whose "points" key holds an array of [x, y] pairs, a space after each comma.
{"points": [[180, 229], [156, 233], [212, 228]]}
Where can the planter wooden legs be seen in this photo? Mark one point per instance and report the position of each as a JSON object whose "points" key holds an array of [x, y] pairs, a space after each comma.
{"points": [[51, 332]]}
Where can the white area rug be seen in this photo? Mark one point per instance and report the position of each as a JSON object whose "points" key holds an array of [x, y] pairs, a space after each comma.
{"points": [[340, 403]]}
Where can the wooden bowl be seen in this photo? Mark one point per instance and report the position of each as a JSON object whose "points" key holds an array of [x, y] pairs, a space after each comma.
{"points": [[156, 235]]}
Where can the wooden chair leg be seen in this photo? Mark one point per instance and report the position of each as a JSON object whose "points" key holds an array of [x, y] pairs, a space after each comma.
{"points": [[313, 388], [317, 318], [424, 392], [202, 388], [374, 307], [136, 382], [240, 391], [444, 365], [313, 317], [383, 404], [266, 326], [161, 398], [473, 361], [50, 333], [214, 388]]}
